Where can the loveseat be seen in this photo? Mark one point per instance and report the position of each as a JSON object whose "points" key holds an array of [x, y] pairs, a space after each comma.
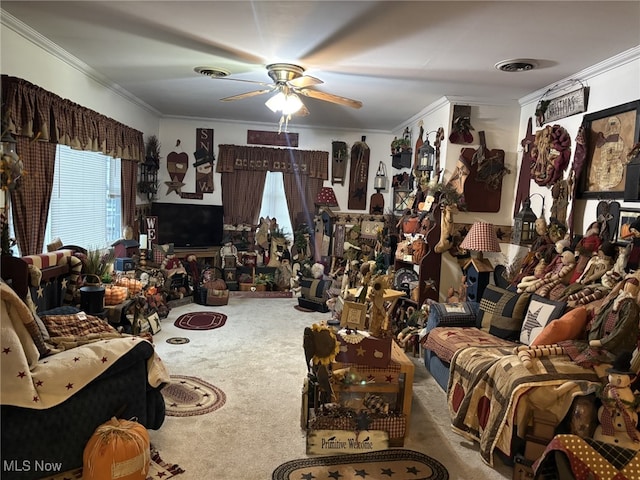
{"points": [[492, 395], [56, 390]]}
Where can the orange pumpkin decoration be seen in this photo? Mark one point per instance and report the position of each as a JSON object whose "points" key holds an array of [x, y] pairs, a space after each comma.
{"points": [[114, 295], [118, 449]]}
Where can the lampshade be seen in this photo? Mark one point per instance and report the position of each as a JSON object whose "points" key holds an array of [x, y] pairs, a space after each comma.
{"points": [[326, 198], [287, 103], [481, 238]]}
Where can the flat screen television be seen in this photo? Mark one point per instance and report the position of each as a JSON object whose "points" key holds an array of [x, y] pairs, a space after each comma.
{"points": [[189, 225]]}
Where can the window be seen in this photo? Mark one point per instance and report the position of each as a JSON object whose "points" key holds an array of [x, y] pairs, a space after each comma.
{"points": [[274, 203], [85, 205]]}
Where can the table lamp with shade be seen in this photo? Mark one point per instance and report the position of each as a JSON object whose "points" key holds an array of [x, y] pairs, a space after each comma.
{"points": [[481, 238]]}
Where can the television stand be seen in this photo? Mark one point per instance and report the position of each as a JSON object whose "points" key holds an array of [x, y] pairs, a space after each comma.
{"points": [[210, 255]]}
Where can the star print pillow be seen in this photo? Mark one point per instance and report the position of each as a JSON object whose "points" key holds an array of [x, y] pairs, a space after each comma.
{"points": [[540, 312]]}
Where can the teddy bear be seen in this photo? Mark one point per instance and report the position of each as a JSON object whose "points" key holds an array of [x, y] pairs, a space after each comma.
{"points": [[618, 415]]}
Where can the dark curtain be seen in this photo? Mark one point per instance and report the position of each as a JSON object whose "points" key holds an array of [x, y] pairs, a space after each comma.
{"points": [[34, 113], [30, 202], [242, 196], [303, 172], [128, 181]]}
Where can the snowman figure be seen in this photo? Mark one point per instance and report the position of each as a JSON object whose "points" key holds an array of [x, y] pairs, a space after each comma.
{"points": [[618, 415]]}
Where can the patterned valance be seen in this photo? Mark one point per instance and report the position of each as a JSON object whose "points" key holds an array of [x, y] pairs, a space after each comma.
{"points": [[313, 163], [32, 111]]}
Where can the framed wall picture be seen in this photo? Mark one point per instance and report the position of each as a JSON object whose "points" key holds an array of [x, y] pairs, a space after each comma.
{"points": [[609, 136], [354, 315], [627, 217]]}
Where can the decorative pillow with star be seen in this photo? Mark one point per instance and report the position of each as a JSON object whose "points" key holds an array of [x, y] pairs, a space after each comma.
{"points": [[540, 312], [502, 312]]}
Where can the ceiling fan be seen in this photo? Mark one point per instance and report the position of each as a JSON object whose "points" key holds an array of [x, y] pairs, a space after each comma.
{"points": [[287, 79]]}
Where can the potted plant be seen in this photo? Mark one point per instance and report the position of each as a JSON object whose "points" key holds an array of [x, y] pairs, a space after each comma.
{"points": [[264, 281]]}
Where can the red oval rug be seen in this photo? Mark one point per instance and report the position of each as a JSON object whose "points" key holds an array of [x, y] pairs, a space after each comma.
{"points": [[200, 320]]}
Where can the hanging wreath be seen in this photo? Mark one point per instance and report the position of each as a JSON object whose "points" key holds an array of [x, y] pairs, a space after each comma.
{"points": [[550, 155]]}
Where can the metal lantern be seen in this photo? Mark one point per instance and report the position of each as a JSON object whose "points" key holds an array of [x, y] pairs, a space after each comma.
{"points": [[426, 164], [524, 225], [148, 183], [380, 182]]}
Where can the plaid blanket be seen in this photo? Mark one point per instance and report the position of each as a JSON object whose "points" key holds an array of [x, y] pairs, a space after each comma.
{"points": [[491, 394]]}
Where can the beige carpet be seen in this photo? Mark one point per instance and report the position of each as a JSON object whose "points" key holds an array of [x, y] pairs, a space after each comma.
{"points": [[257, 360]]}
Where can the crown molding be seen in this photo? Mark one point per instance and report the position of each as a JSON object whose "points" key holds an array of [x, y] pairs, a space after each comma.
{"points": [[9, 21], [593, 71]]}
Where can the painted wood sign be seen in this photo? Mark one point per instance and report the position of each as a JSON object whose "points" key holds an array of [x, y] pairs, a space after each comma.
{"points": [[204, 160], [276, 139], [359, 176], [324, 442], [562, 106]]}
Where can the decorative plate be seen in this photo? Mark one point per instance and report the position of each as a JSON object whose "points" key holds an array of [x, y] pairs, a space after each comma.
{"points": [[403, 277]]}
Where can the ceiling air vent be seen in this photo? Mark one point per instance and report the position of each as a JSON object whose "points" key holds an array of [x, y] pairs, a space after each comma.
{"points": [[517, 65], [214, 72]]}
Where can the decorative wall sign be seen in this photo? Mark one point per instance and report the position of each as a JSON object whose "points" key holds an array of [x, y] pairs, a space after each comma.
{"points": [[204, 160], [339, 160], [562, 106], [282, 139], [177, 166], [152, 229], [323, 442], [610, 135], [359, 175]]}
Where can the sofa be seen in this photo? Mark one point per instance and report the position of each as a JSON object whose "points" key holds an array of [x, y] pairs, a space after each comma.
{"points": [[65, 373], [492, 396]]}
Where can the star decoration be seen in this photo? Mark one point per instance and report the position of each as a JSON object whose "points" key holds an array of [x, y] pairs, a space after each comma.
{"points": [[174, 186], [387, 471], [413, 470], [64, 284], [21, 374], [336, 475], [378, 209], [39, 383], [104, 360], [69, 386], [361, 473], [307, 476], [361, 351], [161, 474], [389, 378], [6, 350], [76, 359], [36, 399], [40, 292]]}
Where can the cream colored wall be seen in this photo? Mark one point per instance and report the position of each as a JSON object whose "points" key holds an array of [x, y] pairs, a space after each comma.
{"points": [[612, 83], [234, 133]]}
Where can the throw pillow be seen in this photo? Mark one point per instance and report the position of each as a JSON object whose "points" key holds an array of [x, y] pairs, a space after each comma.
{"points": [[463, 314], [38, 338], [78, 324], [502, 312], [540, 312], [568, 327]]}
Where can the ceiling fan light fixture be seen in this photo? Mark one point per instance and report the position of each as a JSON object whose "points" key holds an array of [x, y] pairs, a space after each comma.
{"points": [[288, 104], [516, 65]]}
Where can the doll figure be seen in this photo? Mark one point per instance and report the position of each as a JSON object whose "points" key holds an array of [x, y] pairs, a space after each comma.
{"points": [[618, 415], [586, 248], [560, 272]]}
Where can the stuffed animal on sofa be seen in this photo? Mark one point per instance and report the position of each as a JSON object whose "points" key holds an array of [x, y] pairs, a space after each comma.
{"points": [[560, 273], [618, 415]]}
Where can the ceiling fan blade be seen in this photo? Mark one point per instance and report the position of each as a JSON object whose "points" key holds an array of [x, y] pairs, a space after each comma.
{"points": [[305, 81], [242, 80], [329, 97], [303, 112], [246, 95]]}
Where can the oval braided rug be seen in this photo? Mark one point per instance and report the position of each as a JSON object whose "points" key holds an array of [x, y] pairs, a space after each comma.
{"points": [[186, 396], [201, 320], [395, 464]]}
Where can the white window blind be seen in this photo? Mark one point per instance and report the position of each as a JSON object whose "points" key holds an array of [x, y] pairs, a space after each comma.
{"points": [[274, 203], [85, 205]]}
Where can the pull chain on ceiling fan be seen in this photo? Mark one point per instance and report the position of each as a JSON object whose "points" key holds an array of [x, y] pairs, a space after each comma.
{"points": [[289, 81]]}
